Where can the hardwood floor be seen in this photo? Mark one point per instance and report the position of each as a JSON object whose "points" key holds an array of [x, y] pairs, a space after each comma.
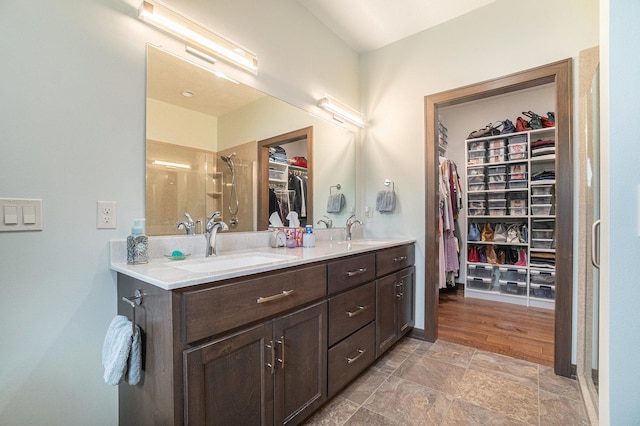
{"points": [[517, 331]]}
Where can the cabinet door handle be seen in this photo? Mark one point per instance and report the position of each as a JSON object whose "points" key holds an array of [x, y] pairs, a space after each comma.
{"points": [[358, 311], [281, 343], [272, 347], [284, 293], [399, 259], [356, 272], [357, 357], [595, 261]]}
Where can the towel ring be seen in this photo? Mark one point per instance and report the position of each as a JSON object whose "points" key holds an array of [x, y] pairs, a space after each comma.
{"points": [[388, 182], [337, 186], [135, 300]]}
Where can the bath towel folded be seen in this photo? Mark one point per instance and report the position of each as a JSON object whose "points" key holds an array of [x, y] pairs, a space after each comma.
{"points": [[386, 201], [121, 352], [335, 203]]}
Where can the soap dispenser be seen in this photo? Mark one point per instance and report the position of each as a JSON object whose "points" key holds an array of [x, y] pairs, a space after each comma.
{"points": [[308, 239], [137, 244]]}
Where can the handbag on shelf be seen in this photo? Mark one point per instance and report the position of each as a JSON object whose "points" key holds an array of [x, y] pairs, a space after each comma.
{"points": [[473, 255], [524, 233], [482, 255], [474, 232], [501, 254], [522, 125], [490, 129], [535, 121], [500, 233], [513, 234], [511, 255], [487, 232], [492, 258], [522, 258], [508, 127]]}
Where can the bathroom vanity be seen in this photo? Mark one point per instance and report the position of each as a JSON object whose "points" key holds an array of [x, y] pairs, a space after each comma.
{"points": [[264, 344]]}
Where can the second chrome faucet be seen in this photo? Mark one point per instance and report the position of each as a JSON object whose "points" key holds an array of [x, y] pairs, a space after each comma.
{"points": [[211, 231], [350, 222]]}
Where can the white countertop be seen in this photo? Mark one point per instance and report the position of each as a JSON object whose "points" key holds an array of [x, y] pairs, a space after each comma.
{"points": [[169, 274]]}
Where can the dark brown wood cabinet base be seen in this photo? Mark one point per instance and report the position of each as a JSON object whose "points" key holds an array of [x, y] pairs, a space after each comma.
{"points": [[218, 354]]}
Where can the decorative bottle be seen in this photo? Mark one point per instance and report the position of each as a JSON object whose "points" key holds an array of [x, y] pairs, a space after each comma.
{"points": [[308, 239], [137, 244]]}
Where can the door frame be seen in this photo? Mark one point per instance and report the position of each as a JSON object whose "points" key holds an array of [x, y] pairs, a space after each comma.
{"points": [[558, 73]]}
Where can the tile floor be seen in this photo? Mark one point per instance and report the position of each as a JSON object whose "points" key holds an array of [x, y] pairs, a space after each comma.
{"points": [[442, 383]]}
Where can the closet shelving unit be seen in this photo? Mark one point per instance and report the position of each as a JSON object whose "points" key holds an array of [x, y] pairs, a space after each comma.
{"points": [[501, 189]]}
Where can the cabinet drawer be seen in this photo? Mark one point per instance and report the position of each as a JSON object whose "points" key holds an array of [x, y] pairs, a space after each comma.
{"points": [[350, 311], [350, 357], [394, 259], [210, 311], [350, 272]]}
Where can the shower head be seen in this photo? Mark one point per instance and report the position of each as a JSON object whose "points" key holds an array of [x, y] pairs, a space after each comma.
{"points": [[227, 159]]}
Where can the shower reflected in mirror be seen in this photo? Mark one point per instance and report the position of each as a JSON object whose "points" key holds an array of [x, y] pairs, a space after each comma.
{"points": [[233, 204]]}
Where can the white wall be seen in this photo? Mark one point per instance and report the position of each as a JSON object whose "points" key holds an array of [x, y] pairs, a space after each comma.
{"points": [[72, 131], [181, 126], [501, 38]]}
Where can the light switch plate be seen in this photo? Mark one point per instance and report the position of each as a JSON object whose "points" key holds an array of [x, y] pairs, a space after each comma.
{"points": [[20, 214]]}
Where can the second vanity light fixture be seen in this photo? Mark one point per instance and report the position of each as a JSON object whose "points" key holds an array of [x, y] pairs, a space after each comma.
{"points": [[341, 111], [199, 40]]}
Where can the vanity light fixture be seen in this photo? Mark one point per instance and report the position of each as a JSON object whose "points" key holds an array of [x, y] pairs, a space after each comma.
{"points": [[198, 38], [171, 164], [341, 111]]}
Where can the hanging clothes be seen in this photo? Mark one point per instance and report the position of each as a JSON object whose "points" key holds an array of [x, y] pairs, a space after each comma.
{"points": [[450, 205]]}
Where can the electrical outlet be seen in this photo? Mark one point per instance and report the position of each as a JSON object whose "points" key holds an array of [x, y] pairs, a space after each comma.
{"points": [[106, 215]]}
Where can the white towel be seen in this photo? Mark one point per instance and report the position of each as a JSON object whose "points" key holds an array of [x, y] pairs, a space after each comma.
{"points": [[386, 201], [121, 352]]}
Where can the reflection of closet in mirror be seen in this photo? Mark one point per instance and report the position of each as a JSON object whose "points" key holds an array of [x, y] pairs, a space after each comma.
{"points": [[285, 181]]}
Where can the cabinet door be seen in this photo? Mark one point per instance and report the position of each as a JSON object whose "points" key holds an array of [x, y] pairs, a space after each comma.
{"points": [[230, 381], [406, 301], [301, 364], [386, 306]]}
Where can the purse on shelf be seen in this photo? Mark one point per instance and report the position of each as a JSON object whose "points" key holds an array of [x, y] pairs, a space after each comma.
{"points": [[522, 125], [511, 255], [522, 258], [500, 233], [508, 127], [491, 129], [513, 234], [535, 121], [524, 233], [501, 254], [473, 255], [482, 255], [474, 232], [492, 258], [487, 232]]}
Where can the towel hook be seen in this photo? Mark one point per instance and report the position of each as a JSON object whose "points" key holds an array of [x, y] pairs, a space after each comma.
{"points": [[337, 186], [135, 300], [388, 182]]}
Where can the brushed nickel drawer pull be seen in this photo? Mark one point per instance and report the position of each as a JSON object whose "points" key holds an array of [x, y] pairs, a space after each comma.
{"points": [[284, 293], [399, 259], [358, 311], [357, 357], [281, 359], [357, 272], [272, 347]]}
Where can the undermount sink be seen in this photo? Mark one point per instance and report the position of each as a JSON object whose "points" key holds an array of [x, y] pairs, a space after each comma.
{"points": [[223, 263]]}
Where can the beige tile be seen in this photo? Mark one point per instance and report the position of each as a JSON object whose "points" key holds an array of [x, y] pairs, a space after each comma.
{"points": [[364, 386], [516, 369], [559, 385], [406, 345], [465, 413], [364, 417], [408, 403], [500, 394], [558, 410], [334, 413], [422, 348], [431, 373], [390, 361], [451, 353]]}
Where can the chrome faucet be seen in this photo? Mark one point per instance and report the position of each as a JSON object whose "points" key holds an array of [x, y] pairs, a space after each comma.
{"points": [[350, 222], [328, 222], [212, 229], [189, 225]]}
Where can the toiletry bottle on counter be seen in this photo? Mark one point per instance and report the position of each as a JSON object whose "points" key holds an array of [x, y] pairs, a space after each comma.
{"points": [[308, 239], [137, 243]]}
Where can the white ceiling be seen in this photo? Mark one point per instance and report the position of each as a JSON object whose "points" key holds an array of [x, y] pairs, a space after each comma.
{"points": [[366, 25]]}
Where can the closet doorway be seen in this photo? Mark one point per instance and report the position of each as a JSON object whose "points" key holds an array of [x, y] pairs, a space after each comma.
{"points": [[304, 135], [559, 76]]}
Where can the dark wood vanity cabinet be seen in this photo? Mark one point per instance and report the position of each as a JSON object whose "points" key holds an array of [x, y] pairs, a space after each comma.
{"points": [[266, 349], [395, 295], [272, 373]]}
